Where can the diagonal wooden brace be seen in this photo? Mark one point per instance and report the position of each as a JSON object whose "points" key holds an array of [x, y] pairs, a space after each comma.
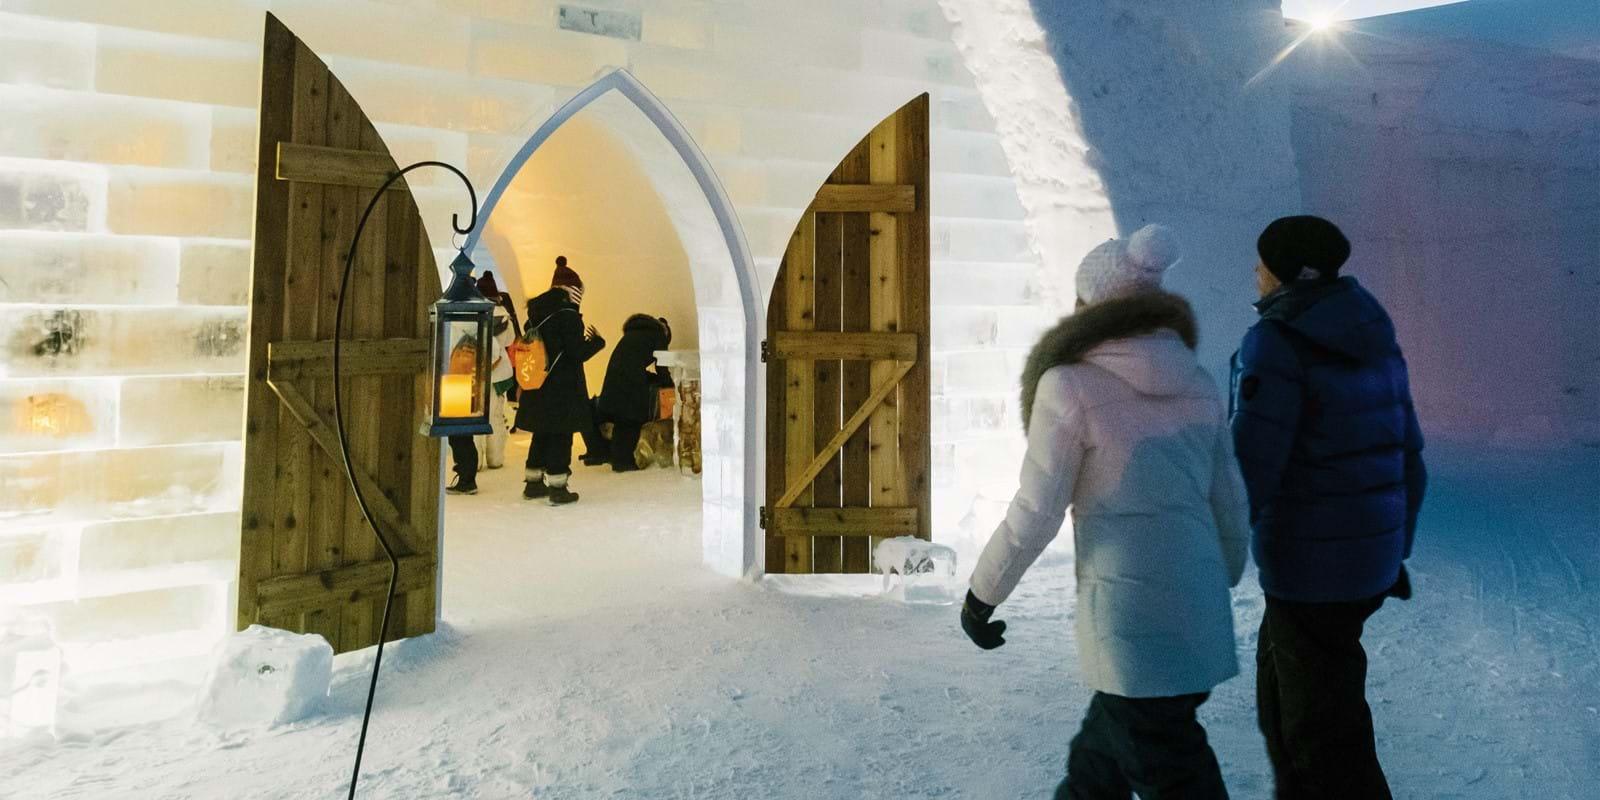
{"points": [[322, 433], [851, 425]]}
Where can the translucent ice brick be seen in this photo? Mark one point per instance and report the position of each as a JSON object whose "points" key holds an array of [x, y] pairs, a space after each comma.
{"points": [[134, 615], [43, 196], [30, 676], [158, 202], [177, 410], [60, 488], [46, 341], [917, 571], [103, 129], [107, 550], [52, 414], [214, 273], [86, 269], [36, 52]]}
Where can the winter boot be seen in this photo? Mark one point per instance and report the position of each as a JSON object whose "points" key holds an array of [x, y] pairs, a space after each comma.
{"points": [[460, 486], [560, 495], [533, 487]]}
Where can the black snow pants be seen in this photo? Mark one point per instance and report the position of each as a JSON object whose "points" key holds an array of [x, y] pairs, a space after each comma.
{"points": [[465, 453], [1150, 745], [597, 449], [624, 440], [1311, 676], [550, 457]]}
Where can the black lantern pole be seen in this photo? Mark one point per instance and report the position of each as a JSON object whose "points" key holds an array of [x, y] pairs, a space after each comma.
{"points": [[457, 306]]}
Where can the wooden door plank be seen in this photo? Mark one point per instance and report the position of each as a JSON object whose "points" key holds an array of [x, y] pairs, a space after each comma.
{"points": [[366, 313], [336, 166], [353, 351], [884, 198], [857, 375], [916, 414], [300, 322], [836, 346], [300, 309], [876, 522], [800, 270], [777, 376], [801, 482], [327, 490], [827, 554], [353, 542], [398, 434], [269, 264], [884, 258], [421, 606], [332, 587], [321, 431]]}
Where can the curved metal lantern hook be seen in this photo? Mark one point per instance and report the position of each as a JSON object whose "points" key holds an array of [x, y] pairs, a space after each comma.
{"points": [[344, 441]]}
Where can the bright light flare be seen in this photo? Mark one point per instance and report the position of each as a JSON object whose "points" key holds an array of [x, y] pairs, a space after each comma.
{"points": [[1325, 23]]}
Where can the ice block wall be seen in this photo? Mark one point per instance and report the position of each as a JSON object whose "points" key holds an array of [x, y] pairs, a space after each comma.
{"points": [[1111, 116], [1467, 173], [127, 145]]}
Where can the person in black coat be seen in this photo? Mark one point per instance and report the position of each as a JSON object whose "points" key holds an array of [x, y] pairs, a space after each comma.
{"points": [[1331, 453], [559, 408], [628, 399]]}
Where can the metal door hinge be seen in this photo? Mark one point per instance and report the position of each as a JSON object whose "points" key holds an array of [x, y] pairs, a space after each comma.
{"points": [[766, 518], [766, 350]]}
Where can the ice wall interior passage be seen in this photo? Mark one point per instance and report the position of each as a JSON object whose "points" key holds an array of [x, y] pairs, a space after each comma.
{"points": [[584, 196], [724, 280]]}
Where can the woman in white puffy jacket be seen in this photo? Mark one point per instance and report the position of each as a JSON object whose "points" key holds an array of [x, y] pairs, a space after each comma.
{"points": [[1126, 428]]}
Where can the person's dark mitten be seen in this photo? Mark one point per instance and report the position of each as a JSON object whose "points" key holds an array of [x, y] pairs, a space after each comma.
{"points": [[1401, 590], [975, 621]]}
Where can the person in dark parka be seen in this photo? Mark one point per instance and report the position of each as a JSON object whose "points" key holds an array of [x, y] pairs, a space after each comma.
{"points": [[1330, 449], [628, 399], [559, 408]]}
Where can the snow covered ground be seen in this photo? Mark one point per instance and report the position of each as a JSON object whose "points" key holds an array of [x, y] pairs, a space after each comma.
{"points": [[587, 654]]}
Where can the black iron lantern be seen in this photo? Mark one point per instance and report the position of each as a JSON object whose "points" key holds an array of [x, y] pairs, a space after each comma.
{"points": [[463, 343]]}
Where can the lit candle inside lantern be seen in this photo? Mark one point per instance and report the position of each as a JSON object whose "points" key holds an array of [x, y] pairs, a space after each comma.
{"points": [[455, 395]]}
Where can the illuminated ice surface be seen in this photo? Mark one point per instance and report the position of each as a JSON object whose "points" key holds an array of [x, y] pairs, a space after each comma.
{"points": [[587, 653]]}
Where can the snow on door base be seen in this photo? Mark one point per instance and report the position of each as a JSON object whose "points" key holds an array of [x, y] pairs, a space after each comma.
{"points": [[910, 570]]}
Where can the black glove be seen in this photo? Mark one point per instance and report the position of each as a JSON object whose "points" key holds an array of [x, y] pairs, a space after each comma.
{"points": [[1401, 590], [975, 621]]}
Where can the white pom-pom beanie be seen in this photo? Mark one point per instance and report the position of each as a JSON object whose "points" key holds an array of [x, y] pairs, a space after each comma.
{"points": [[1124, 267]]}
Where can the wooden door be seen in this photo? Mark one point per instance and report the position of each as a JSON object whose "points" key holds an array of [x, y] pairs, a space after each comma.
{"points": [[307, 561], [848, 452]]}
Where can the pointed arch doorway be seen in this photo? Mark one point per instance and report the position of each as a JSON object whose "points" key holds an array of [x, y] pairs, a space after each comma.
{"points": [[728, 303]]}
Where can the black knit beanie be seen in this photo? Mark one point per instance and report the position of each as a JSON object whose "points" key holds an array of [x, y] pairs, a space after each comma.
{"points": [[1302, 248]]}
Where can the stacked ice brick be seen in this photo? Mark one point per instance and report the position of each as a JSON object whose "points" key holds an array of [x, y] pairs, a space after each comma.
{"points": [[127, 149]]}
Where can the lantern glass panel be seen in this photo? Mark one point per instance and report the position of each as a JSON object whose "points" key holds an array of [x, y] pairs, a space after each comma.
{"points": [[460, 376]]}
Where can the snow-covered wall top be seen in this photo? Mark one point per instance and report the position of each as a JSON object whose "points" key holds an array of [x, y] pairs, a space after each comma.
{"points": [[1467, 174]]}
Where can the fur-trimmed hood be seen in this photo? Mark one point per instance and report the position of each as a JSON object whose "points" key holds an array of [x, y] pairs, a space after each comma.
{"points": [[1072, 339]]}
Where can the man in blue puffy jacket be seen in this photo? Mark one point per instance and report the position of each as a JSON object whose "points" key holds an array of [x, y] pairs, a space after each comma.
{"points": [[1328, 442]]}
